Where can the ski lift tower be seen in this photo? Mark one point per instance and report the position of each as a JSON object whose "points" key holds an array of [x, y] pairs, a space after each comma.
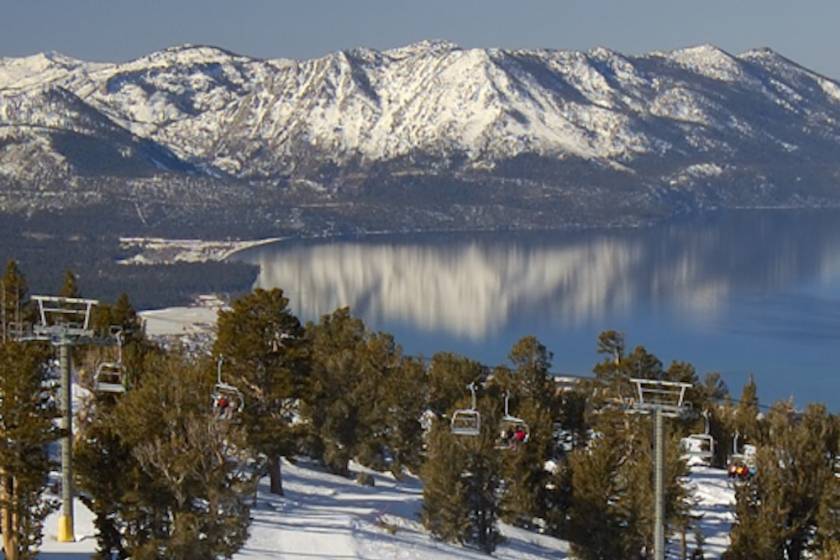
{"points": [[64, 323], [660, 398]]}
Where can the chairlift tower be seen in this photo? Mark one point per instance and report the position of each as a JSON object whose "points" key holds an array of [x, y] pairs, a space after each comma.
{"points": [[661, 399], [64, 323]]}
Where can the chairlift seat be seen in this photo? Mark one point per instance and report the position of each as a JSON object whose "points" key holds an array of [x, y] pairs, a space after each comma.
{"points": [[466, 422], [224, 392], [508, 426], [698, 446], [109, 378]]}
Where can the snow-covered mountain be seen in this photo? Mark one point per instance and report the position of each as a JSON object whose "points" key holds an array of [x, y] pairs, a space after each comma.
{"points": [[530, 129]]}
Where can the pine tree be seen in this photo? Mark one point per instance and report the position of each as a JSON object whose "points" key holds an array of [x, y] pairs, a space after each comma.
{"points": [[595, 522], [190, 476], [525, 495], [448, 376], [265, 357], [780, 511], [14, 308], [445, 505], [27, 412], [612, 482], [827, 541], [99, 452], [461, 476], [331, 402], [746, 422], [70, 286], [404, 399]]}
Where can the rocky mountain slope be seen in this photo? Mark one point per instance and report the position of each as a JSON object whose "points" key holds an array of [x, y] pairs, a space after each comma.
{"points": [[429, 136]]}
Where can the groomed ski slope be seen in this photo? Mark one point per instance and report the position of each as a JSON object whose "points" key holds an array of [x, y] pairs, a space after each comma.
{"points": [[328, 516], [331, 517]]}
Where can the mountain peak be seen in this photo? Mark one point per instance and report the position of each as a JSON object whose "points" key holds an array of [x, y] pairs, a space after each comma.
{"points": [[427, 46], [707, 60], [189, 53]]}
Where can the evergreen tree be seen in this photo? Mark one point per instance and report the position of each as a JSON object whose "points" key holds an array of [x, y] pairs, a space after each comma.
{"points": [[526, 480], [27, 412], [525, 496], [746, 422], [98, 455], [14, 308], [612, 482], [461, 476], [99, 451], [445, 503], [781, 510], [70, 286], [190, 475], [364, 399], [532, 364], [596, 523], [403, 395], [827, 541], [448, 376], [265, 357], [331, 404]]}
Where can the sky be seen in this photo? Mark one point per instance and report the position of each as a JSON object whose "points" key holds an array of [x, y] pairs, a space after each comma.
{"points": [[119, 30]]}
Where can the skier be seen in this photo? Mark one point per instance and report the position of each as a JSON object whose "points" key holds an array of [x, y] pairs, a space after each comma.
{"points": [[223, 406], [519, 435]]}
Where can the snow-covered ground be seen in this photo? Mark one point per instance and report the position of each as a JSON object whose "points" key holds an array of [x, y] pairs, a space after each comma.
{"points": [[85, 532], [156, 250], [198, 318], [715, 497], [324, 516], [328, 516]]}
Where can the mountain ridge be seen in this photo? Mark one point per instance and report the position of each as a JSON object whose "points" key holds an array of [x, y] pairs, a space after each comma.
{"points": [[668, 131]]}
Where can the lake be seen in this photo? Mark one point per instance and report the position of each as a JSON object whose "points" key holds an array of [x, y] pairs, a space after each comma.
{"points": [[736, 292]]}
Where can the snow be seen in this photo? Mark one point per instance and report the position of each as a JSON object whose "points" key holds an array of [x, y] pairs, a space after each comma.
{"points": [[196, 319], [157, 250], [715, 500], [219, 110], [85, 532], [328, 516]]}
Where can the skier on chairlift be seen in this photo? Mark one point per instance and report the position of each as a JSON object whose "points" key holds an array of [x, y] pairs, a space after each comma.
{"points": [[519, 435], [223, 406]]}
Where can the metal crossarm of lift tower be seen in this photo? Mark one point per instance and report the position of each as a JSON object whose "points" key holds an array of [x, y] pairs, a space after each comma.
{"points": [[653, 394], [62, 318]]}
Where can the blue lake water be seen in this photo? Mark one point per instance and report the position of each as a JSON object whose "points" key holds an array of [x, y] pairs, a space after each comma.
{"points": [[736, 292]]}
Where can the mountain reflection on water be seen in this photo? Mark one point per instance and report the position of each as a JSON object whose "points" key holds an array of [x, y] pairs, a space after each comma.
{"points": [[762, 275]]}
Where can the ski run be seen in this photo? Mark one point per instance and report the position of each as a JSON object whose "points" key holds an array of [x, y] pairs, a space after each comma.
{"points": [[327, 516]]}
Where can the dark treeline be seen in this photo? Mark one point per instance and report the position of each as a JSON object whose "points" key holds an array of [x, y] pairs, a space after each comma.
{"points": [[92, 253], [338, 392]]}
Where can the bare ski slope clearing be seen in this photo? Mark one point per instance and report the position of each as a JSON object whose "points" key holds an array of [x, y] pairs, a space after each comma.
{"points": [[328, 516], [324, 516]]}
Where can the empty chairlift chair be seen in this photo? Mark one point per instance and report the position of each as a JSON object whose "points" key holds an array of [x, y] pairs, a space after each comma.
{"points": [[699, 449], [109, 375], [467, 421]]}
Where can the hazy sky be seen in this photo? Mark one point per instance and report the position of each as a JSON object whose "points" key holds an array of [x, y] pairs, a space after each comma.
{"points": [[116, 30]]}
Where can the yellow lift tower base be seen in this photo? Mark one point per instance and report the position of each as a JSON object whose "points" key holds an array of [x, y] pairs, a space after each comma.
{"points": [[65, 529]]}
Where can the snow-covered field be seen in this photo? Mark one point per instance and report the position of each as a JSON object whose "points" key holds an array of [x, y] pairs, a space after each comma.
{"points": [[324, 516], [328, 516], [197, 318], [156, 250], [715, 504]]}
